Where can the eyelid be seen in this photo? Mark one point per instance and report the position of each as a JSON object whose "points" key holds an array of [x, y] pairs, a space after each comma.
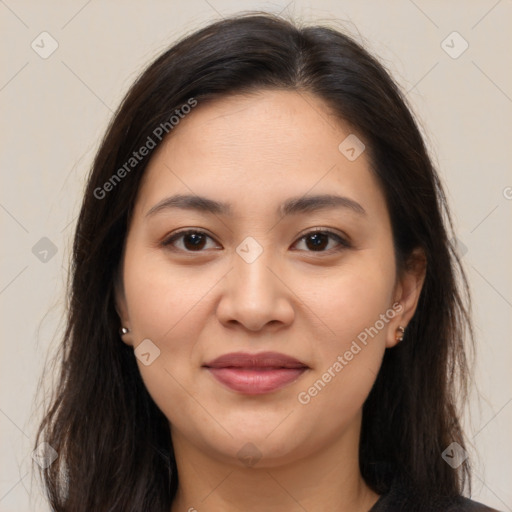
{"points": [[341, 237], [168, 240], [343, 240]]}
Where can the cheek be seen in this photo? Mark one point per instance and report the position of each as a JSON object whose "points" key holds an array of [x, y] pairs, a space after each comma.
{"points": [[164, 305], [163, 297], [355, 309], [352, 299]]}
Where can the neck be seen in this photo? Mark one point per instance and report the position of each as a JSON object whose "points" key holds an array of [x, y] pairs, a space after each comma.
{"points": [[328, 479]]}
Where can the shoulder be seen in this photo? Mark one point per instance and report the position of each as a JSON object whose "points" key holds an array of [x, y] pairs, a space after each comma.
{"points": [[465, 504], [399, 500]]}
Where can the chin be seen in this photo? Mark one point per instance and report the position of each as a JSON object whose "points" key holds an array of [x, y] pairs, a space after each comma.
{"points": [[254, 448]]}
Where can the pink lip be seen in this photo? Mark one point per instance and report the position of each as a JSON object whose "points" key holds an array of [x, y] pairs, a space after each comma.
{"points": [[256, 374]]}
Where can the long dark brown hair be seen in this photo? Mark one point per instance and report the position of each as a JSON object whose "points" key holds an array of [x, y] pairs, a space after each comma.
{"points": [[113, 443]]}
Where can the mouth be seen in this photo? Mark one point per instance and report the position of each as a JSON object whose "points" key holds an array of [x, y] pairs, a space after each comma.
{"points": [[255, 374]]}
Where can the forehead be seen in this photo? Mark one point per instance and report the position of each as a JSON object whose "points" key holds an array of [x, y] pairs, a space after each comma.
{"points": [[257, 148], [276, 127]]}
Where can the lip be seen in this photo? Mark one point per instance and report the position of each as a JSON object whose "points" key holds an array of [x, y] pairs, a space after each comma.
{"points": [[256, 374]]}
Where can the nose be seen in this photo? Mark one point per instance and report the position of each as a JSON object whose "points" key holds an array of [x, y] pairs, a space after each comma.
{"points": [[256, 295]]}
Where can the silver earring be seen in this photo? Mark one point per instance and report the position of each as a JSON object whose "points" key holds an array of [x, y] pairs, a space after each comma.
{"points": [[123, 331], [402, 331]]}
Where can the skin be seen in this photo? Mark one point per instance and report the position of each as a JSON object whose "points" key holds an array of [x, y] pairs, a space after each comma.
{"points": [[255, 151]]}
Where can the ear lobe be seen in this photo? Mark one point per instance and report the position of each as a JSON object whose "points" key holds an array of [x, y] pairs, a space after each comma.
{"points": [[407, 293]]}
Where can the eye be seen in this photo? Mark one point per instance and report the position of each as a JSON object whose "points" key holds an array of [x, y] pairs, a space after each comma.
{"points": [[318, 239], [193, 240]]}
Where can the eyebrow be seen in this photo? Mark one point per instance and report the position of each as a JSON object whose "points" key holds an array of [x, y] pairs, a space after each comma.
{"points": [[292, 206]]}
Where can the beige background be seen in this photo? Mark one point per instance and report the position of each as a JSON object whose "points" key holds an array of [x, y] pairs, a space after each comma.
{"points": [[55, 110]]}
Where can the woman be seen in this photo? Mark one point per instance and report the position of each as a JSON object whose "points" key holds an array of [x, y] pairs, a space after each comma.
{"points": [[264, 309]]}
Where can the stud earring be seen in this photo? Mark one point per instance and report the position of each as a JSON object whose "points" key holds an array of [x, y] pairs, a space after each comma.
{"points": [[402, 331], [123, 331]]}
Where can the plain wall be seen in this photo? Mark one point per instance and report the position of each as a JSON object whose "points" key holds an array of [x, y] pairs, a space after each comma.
{"points": [[55, 110]]}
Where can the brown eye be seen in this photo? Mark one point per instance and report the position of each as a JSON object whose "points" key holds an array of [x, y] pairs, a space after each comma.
{"points": [[318, 241], [191, 240]]}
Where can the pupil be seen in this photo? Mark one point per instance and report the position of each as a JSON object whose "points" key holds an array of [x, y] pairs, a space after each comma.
{"points": [[196, 239], [318, 243]]}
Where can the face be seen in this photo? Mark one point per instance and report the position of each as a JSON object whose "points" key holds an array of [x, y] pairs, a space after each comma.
{"points": [[271, 266]]}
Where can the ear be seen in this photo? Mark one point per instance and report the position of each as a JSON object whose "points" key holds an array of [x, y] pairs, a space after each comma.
{"points": [[407, 294], [122, 308]]}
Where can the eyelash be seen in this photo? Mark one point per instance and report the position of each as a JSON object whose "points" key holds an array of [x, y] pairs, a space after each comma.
{"points": [[343, 243]]}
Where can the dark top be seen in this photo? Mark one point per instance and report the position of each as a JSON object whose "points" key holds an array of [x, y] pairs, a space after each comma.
{"points": [[396, 500]]}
